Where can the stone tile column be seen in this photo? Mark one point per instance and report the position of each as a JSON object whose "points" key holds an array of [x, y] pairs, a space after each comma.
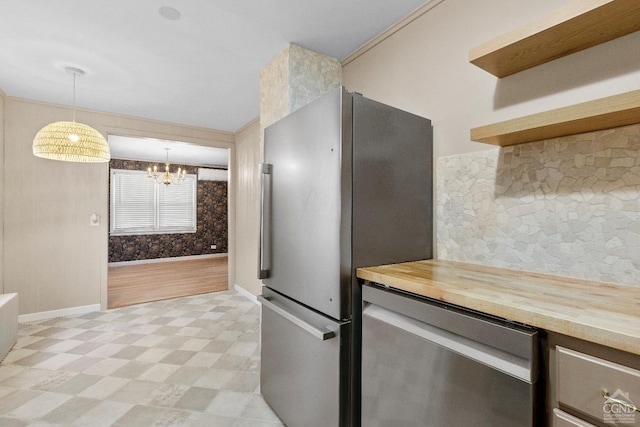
{"points": [[293, 78]]}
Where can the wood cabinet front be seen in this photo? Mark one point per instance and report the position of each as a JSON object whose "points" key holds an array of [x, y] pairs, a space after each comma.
{"points": [[602, 390]]}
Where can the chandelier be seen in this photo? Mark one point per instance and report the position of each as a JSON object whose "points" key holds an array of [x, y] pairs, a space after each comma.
{"points": [[71, 141], [166, 177]]}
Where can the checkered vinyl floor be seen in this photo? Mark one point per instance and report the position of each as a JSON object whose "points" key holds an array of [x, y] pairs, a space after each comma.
{"points": [[191, 361]]}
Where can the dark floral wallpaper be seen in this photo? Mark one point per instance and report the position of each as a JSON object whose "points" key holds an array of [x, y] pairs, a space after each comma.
{"points": [[211, 228]]}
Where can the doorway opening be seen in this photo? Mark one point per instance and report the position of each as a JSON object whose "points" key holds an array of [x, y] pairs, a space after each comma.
{"points": [[166, 240]]}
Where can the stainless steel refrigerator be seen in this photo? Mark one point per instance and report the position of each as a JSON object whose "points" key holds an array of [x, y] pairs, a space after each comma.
{"points": [[346, 183]]}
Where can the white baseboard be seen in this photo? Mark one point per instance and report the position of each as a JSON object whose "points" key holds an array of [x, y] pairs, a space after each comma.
{"points": [[8, 323], [239, 289], [44, 315], [155, 260]]}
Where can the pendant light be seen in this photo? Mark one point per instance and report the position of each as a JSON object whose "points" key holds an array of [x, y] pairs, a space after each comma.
{"points": [[166, 177], [71, 141]]}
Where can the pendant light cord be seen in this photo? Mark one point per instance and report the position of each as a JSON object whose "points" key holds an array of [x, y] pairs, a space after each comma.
{"points": [[74, 96], [76, 72]]}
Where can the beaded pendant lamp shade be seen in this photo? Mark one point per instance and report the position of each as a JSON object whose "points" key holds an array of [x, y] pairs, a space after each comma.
{"points": [[71, 141]]}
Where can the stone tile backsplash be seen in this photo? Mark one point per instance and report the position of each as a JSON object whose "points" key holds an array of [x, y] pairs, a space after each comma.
{"points": [[568, 206]]}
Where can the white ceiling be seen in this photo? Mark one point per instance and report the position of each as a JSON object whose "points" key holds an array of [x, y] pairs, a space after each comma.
{"points": [[154, 150], [201, 70]]}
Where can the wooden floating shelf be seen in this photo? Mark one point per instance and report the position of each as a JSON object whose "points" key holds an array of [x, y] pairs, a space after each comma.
{"points": [[604, 113], [574, 27]]}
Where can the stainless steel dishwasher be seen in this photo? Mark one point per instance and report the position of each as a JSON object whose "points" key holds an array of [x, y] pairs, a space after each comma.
{"points": [[426, 363]]}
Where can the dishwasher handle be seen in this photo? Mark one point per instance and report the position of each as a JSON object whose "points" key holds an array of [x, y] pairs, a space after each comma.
{"points": [[321, 334], [498, 359]]}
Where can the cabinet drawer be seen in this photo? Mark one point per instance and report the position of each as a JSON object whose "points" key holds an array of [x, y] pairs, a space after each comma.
{"points": [[562, 419], [582, 380]]}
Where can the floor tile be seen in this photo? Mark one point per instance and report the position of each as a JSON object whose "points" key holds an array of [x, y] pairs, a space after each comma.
{"points": [[166, 395], [84, 348], [243, 422], [40, 406], [243, 348], [187, 375], [16, 399], [230, 362], [177, 418], [134, 391], [178, 357], [57, 361], [190, 361], [130, 352], [258, 409], [159, 372], [52, 379], [204, 360], [149, 340], [139, 416], [84, 362], [128, 339], [104, 388], [27, 378], [18, 354], [23, 341], [196, 399], [216, 346], [188, 332], [105, 367], [14, 422], [180, 321], [34, 359], [229, 403], [214, 378], [8, 371], [132, 369], [243, 381], [77, 384], [103, 415], [194, 344], [107, 350], [71, 410]]}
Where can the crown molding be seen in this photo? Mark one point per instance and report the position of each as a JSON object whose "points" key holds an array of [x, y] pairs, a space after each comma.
{"points": [[391, 30], [247, 126]]}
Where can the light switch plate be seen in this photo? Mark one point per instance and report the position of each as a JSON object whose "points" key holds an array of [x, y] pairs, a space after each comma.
{"points": [[94, 220]]}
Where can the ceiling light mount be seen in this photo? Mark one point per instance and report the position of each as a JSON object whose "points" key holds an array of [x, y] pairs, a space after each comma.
{"points": [[78, 72], [169, 13]]}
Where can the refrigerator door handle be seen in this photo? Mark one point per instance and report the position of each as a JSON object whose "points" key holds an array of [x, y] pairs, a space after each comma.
{"points": [[264, 251], [316, 332]]}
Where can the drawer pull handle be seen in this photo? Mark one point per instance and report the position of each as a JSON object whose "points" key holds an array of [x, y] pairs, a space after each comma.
{"points": [[627, 405]]}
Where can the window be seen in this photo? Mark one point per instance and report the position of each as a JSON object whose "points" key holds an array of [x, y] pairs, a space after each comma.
{"points": [[140, 205]]}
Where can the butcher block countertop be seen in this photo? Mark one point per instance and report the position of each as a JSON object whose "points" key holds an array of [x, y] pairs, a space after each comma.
{"points": [[602, 313]]}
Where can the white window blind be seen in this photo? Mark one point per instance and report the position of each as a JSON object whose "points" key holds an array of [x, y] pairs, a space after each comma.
{"points": [[140, 205]]}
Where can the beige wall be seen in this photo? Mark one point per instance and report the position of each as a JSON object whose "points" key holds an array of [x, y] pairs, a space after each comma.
{"points": [[53, 258], [247, 190], [424, 68], [539, 206], [2, 125]]}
